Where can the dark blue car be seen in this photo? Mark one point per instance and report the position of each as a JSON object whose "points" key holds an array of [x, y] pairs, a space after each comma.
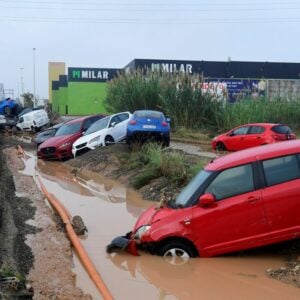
{"points": [[8, 107], [147, 125]]}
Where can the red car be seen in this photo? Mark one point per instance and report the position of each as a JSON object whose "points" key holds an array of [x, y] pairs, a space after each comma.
{"points": [[242, 200], [251, 135], [60, 145]]}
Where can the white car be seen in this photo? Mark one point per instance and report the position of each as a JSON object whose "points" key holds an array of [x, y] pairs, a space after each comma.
{"points": [[103, 132], [33, 120]]}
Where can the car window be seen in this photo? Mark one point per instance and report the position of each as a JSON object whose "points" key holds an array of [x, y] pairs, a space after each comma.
{"points": [[256, 130], [149, 114], [281, 169], [87, 123], [231, 182], [98, 125], [241, 130], [114, 120], [69, 129], [185, 195], [281, 129], [123, 117]]}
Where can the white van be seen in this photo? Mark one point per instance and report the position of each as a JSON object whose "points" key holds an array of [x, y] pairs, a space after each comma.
{"points": [[33, 121]]}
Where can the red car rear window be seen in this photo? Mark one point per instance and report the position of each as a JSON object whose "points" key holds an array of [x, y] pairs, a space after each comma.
{"points": [[281, 129]]}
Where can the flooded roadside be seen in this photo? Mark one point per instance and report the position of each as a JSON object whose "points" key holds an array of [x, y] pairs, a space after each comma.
{"points": [[109, 209]]}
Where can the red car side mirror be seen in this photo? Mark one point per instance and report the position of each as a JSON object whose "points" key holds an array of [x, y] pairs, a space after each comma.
{"points": [[206, 200]]}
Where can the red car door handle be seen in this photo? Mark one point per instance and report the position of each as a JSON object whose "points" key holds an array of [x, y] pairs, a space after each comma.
{"points": [[252, 199]]}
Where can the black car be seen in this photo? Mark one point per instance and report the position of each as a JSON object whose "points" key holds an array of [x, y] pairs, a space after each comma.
{"points": [[46, 134]]}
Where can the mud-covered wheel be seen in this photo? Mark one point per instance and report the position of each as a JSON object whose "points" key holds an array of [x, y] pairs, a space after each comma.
{"points": [[108, 140], [176, 252], [220, 147]]}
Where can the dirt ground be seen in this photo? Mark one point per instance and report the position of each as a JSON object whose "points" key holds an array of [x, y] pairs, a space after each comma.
{"points": [[31, 237], [30, 251]]}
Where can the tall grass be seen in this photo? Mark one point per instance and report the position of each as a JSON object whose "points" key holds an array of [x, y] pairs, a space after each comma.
{"points": [[180, 97], [158, 161], [263, 110], [176, 95]]}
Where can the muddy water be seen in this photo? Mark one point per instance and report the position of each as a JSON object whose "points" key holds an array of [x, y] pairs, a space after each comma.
{"points": [[109, 209]]}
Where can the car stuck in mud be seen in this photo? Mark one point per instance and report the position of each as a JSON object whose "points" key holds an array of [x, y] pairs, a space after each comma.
{"points": [[239, 201]]}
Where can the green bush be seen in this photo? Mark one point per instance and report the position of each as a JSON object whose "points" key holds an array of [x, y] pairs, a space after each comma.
{"points": [[158, 161]]}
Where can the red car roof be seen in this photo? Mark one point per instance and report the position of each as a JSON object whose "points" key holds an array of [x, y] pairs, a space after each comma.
{"points": [[259, 124], [253, 154], [78, 120]]}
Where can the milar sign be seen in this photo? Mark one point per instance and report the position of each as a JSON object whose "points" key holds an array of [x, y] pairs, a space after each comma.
{"points": [[172, 67], [91, 74]]}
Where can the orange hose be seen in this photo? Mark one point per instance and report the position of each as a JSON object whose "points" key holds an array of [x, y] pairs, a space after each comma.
{"points": [[87, 263], [20, 150]]}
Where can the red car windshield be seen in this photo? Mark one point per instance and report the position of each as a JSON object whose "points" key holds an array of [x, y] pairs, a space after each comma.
{"points": [[68, 129], [187, 193]]}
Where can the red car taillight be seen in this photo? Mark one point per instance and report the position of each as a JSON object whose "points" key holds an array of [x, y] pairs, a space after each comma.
{"points": [[276, 137], [284, 137], [165, 124], [132, 122]]}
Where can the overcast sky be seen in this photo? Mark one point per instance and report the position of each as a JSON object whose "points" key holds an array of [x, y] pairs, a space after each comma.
{"points": [[111, 33]]}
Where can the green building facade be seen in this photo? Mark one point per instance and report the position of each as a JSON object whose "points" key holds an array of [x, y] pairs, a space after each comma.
{"points": [[82, 91]]}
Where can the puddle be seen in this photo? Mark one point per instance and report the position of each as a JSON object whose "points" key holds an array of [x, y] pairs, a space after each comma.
{"points": [[30, 162], [21, 194], [23, 137], [109, 209]]}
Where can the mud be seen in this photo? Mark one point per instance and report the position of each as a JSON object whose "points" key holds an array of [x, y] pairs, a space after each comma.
{"points": [[108, 209], [16, 258], [31, 251], [108, 161], [112, 163]]}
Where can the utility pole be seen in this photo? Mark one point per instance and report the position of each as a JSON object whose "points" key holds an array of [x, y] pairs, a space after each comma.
{"points": [[34, 89], [22, 82]]}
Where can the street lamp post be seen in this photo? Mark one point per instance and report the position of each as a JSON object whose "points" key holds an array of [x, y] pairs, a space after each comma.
{"points": [[21, 91], [21, 82], [34, 90]]}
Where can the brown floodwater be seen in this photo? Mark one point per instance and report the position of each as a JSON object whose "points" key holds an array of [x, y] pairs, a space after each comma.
{"points": [[109, 210]]}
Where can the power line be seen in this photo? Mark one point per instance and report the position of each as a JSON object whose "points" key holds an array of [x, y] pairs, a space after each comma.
{"points": [[157, 9], [160, 4], [150, 21]]}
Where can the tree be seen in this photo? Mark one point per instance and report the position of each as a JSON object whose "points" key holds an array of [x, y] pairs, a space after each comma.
{"points": [[28, 99]]}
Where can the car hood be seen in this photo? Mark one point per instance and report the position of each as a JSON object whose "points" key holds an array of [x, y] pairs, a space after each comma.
{"points": [[153, 215], [88, 137], [56, 141]]}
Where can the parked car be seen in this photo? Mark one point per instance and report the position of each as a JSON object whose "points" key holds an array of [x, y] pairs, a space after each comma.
{"points": [[251, 135], [33, 121], [46, 134], [26, 110], [242, 200], [8, 107], [60, 145], [7, 122], [148, 125], [106, 131]]}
